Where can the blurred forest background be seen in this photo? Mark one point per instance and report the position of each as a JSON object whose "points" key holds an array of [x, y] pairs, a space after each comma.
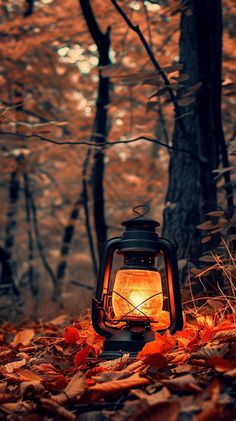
{"points": [[104, 106]]}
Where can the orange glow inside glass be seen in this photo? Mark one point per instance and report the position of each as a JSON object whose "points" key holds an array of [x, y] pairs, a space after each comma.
{"points": [[137, 294]]}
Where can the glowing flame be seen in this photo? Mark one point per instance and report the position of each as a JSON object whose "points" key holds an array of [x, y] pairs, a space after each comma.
{"points": [[137, 294]]}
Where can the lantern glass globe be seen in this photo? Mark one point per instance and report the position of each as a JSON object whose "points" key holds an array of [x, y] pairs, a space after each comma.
{"points": [[137, 295]]}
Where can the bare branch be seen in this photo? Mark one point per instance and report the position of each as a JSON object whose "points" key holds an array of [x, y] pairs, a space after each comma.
{"points": [[150, 53], [108, 143], [173, 97], [98, 145]]}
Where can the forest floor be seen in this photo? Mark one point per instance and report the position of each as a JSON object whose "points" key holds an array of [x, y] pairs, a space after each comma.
{"points": [[52, 371]]}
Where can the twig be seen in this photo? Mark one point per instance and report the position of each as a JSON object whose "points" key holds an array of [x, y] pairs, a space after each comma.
{"points": [[150, 53], [108, 143]]}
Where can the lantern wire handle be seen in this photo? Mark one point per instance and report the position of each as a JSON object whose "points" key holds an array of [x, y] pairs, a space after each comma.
{"points": [[145, 211]]}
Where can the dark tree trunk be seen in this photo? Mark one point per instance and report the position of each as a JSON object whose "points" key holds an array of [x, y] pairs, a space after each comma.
{"points": [[28, 216], [65, 247], [29, 8], [192, 192], [8, 272], [102, 41], [37, 236]]}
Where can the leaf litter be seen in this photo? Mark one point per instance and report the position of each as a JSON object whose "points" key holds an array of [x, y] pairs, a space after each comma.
{"points": [[55, 371]]}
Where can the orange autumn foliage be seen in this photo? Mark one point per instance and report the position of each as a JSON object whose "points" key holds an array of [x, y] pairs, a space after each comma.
{"points": [[71, 335], [184, 366], [80, 356], [162, 344]]}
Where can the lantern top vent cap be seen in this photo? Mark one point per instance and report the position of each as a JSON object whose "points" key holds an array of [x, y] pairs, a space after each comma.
{"points": [[141, 221]]}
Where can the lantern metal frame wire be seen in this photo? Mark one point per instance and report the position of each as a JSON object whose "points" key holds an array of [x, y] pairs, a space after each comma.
{"points": [[113, 321], [139, 237]]}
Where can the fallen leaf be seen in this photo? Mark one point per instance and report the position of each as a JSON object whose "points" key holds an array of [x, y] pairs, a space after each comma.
{"points": [[211, 350], [80, 356], [220, 364], [29, 389], [182, 383], [57, 410], [94, 372], [136, 366], [71, 335], [56, 382], [153, 398], [23, 338], [162, 343], [116, 364], [10, 367], [115, 386], [45, 368], [108, 376], [225, 333], [23, 375], [21, 408], [75, 389], [156, 360]]}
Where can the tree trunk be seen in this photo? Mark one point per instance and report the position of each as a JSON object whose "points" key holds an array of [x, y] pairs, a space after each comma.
{"points": [[102, 41], [31, 273], [192, 192], [8, 270]]}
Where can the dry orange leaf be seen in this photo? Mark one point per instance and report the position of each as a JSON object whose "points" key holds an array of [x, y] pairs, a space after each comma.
{"points": [[182, 383], [232, 373], [10, 367], [115, 386], [23, 337], [75, 389], [152, 399], [156, 360], [221, 364], [71, 335], [116, 364], [32, 387], [57, 410], [22, 408], [161, 344], [24, 375], [80, 356]]}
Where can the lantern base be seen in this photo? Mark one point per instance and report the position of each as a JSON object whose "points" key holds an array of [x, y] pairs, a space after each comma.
{"points": [[126, 342]]}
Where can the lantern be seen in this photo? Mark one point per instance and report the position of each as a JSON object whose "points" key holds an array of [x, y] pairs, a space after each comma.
{"points": [[143, 295]]}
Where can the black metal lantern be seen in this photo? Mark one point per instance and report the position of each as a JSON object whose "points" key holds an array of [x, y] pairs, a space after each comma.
{"points": [[137, 300]]}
